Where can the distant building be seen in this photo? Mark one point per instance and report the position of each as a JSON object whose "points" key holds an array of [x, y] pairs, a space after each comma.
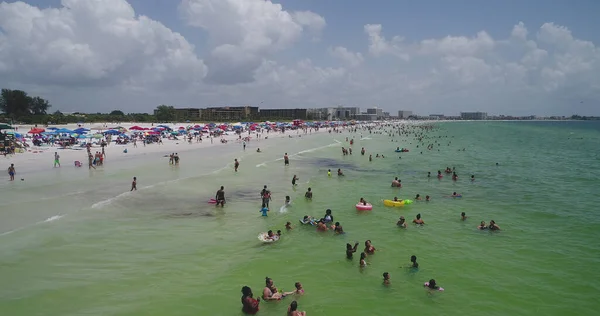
{"points": [[283, 114], [184, 114], [402, 114], [346, 113], [473, 115], [376, 111], [365, 117], [230, 113], [436, 116], [320, 114]]}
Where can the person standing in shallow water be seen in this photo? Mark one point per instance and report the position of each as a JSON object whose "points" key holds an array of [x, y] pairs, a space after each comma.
{"points": [[134, 184], [286, 160], [249, 303], [236, 164], [220, 196], [12, 172]]}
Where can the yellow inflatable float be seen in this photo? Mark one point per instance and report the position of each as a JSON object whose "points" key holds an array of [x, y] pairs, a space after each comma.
{"points": [[393, 203]]}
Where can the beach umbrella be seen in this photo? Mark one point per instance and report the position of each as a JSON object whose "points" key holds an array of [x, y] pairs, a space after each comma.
{"points": [[97, 136], [82, 136], [5, 126], [136, 128], [81, 130], [36, 131], [52, 128], [112, 132], [64, 131]]}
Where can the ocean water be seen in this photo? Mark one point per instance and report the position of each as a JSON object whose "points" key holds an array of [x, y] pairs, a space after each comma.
{"points": [[74, 242]]}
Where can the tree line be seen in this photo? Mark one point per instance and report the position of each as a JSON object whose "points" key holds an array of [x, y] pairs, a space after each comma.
{"points": [[19, 107]]}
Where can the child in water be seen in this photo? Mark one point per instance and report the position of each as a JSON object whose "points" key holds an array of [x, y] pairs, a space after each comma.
{"points": [[264, 210], [363, 261], [287, 200], [386, 278]]}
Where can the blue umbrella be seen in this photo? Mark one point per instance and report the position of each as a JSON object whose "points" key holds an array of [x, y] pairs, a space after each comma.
{"points": [[52, 128], [112, 132], [81, 130], [64, 130]]}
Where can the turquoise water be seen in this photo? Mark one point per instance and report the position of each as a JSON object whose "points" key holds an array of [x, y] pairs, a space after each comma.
{"points": [[72, 243]]}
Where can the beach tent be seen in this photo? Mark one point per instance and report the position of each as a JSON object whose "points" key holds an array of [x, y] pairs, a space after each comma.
{"points": [[36, 131]]}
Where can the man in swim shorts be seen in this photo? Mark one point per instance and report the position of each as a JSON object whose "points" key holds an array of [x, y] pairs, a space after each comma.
{"points": [[12, 172], [286, 160], [220, 196]]}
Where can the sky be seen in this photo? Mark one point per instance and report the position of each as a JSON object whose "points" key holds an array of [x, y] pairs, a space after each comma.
{"points": [[508, 57]]}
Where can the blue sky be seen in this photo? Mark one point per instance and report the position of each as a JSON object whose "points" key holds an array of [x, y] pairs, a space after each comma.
{"points": [[319, 66]]}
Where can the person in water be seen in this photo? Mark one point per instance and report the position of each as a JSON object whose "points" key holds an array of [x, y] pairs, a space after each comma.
{"points": [[432, 285], [363, 202], [286, 160], [401, 222], [321, 227], [340, 173], [220, 196], [328, 218], [418, 197], [236, 164], [257, 150], [463, 216], [427, 198], [439, 175], [369, 249], [298, 291], [249, 303], [429, 174], [370, 157], [482, 226], [337, 228], [266, 196], [287, 200], [386, 278], [288, 226], [351, 250], [294, 179], [472, 178], [134, 184], [493, 226], [308, 194], [270, 292], [264, 211], [396, 199], [413, 262], [293, 310], [454, 176], [396, 183], [363, 260], [307, 220], [418, 220], [329, 172]]}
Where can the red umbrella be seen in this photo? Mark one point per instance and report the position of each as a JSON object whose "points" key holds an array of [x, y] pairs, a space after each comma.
{"points": [[136, 128], [36, 131]]}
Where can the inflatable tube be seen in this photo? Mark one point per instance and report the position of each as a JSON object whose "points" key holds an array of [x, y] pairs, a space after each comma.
{"points": [[362, 207], [456, 196], [398, 151], [427, 286], [212, 201], [264, 238], [311, 221], [393, 203]]}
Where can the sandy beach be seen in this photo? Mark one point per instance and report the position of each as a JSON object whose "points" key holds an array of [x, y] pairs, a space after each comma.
{"points": [[37, 158]]}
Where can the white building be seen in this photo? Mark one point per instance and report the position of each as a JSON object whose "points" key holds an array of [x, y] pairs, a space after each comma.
{"points": [[402, 114]]}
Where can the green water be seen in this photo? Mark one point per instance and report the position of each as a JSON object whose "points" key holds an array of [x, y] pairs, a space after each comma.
{"points": [[163, 251]]}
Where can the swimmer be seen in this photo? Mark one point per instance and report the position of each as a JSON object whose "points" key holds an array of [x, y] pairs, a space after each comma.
{"points": [[429, 174], [340, 173], [418, 220], [321, 227], [270, 235], [287, 200], [396, 183], [439, 175], [396, 199], [328, 218], [418, 197], [413, 262], [257, 150], [308, 194], [220, 196], [270, 292], [133, 184], [249, 303], [362, 152], [401, 222], [264, 210], [463, 216], [329, 172], [286, 160], [363, 202], [307, 220], [293, 310], [427, 198], [493, 226], [288, 226], [370, 157], [337, 228], [294, 179], [482, 226], [236, 164], [431, 285], [386, 278], [369, 249], [472, 178], [351, 250], [454, 176], [298, 291], [455, 195], [363, 262], [279, 233]]}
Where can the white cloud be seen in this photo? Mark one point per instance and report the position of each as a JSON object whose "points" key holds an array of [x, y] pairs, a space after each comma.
{"points": [[351, 58], [243, 32], [92, 42], [98, 54]]}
